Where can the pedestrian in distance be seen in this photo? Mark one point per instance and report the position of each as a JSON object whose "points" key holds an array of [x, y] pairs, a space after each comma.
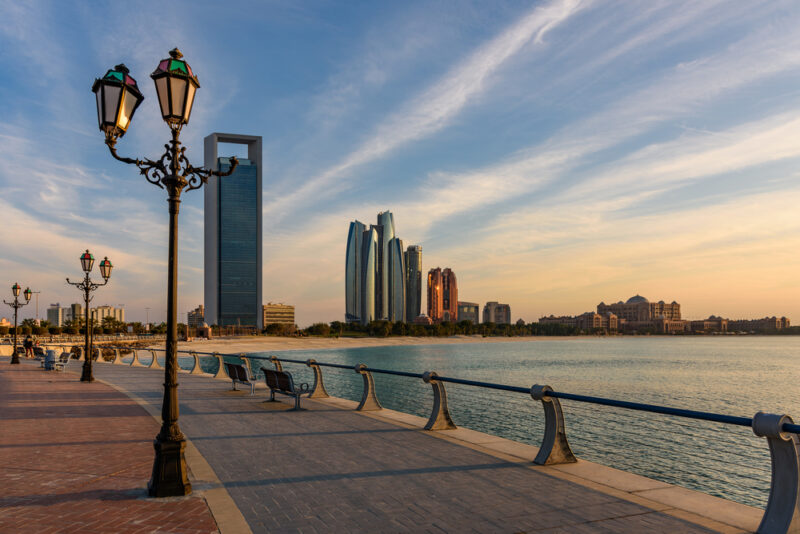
{"points": [[28, 344]]}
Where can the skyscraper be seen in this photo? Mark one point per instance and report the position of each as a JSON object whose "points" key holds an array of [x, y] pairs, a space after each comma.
{"points": [[352, 282], [385, 229], [369, 261], [435, 307], [413, 261], [397, 280], [233, 254], [449, 296]]}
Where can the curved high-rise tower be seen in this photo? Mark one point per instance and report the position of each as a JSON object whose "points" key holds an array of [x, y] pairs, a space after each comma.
{"points": [[369, 260], [397, 281], [352, 271], [385, 229]]}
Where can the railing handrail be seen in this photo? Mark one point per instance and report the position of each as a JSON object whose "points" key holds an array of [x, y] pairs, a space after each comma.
{"points": [[616, 403]]}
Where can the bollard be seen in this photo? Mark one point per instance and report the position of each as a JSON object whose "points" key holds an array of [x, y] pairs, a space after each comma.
{"points": [[135, 362], [276, 362], [555, 447], [117, 357], [783, 507], [221, 372], [196, 369], [318, 391], [153, 361], [440, 415], [369, 400]]}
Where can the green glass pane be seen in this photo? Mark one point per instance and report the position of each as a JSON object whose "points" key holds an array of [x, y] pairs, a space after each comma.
{"points": [[114, 75], [178, 65]]}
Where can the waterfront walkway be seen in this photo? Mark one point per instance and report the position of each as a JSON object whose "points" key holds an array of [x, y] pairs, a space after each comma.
{"points": [[327, 469]]}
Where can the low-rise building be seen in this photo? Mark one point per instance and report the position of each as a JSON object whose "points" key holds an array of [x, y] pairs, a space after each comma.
{"points": [[278, 313], [469, 311], [766, 324], [494, 312], [565, 320]]}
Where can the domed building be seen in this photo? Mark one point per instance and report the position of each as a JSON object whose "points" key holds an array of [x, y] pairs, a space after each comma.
{"points": [[639, 313]]}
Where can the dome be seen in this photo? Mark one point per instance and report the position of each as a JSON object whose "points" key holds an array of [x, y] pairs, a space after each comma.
{"points": [[637, 299]]}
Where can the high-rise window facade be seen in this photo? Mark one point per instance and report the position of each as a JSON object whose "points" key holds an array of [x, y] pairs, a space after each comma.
{"points": [[435, 305], [352, 282], [369, 261], [233, 255], [413, 262], [449, 296], [397, 281]]}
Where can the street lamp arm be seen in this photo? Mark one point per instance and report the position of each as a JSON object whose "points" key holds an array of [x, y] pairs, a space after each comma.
{"points": [[153, 171], [196, 177]]}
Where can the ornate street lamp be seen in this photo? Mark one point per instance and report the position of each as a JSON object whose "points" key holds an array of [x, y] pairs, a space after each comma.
{"points": [[176, 85], [17, 305], [87, 286]]}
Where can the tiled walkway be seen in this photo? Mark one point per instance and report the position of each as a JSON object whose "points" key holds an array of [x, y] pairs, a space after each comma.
{"points": [[76, 457], [329, 469]]}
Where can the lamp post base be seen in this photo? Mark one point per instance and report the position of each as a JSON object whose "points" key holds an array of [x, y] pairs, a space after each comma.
{"points": [[15, 359], [86, 374], [169, 477]]}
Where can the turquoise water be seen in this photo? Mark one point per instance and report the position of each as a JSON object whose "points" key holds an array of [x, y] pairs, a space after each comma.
{"points": [[731, 375]]}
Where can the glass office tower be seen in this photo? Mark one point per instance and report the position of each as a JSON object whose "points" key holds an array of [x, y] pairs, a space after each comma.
{"points": [[233, 253], [397, 281], [369, 269], [413, 261], [385, 229], [352, 270]]}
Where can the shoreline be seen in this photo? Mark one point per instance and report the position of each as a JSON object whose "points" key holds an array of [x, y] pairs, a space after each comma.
{"points": [[268, 343]]}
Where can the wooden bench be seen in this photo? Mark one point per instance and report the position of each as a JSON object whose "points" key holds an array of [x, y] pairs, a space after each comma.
{"points": [[238, 374], [282, 382], [62, 361]]}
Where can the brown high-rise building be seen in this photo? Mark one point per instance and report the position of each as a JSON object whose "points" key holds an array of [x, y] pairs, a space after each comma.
{"points": [[435, 290], [449, 296]]}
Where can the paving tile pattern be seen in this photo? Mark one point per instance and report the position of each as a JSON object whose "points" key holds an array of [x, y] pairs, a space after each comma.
{"points": [[332, 470], [76, 457]]}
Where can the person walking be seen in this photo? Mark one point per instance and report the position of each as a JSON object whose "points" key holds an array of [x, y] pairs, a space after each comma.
{"points": [[28, 344]]}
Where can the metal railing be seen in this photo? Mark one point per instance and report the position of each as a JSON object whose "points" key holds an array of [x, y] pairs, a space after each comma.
{"points": [[782, 513]]}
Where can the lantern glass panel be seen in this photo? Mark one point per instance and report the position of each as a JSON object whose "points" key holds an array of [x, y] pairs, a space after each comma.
{"points": [[126, 113], [99, 107], [15, 289], [163, 97], [178, 91], [189, 101], [111, 94], [28, 293]]}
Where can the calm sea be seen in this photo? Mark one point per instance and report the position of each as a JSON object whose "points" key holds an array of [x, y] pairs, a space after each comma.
{"points": [[734, 375]]}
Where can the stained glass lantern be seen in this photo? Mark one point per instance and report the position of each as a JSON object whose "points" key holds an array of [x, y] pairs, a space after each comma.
{"points": [[87, 261], [118, 96], [175, 85], [27, 294], [15, 289], [105, 268]]}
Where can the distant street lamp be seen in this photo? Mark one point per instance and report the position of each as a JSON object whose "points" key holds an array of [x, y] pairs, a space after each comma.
{"points": [[87, 286], [118, 96], [17, 305]]}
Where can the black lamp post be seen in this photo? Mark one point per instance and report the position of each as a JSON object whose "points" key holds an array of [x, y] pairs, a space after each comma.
{"points": [[118, 96], [87, 286], [17, 305]]}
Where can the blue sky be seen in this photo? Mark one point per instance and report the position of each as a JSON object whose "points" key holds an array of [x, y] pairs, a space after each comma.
{"points": [[553, 154]]}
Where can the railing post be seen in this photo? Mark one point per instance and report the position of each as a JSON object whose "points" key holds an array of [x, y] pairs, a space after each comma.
{"points": [[369, 400], [246, 361], [135, 362], [440, 415], [276, 362], [154, 361], [783, 507], [196, 369], [318, 391], [555, 447], [117, 357], [222, 374]]}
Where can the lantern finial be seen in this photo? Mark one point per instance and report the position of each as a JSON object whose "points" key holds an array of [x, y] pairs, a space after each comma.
{"points": [[175, 53]]}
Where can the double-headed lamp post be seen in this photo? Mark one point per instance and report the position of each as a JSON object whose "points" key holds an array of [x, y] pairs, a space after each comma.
{"points": [[87, 286], [118, 96], [17, 305]]}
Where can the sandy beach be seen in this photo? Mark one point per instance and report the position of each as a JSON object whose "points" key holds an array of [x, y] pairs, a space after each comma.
{"points": [[269, 343]]}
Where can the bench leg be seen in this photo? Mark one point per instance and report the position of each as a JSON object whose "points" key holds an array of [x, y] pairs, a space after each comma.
{"points": [[271, 396], [252, 388], [234, 385]]}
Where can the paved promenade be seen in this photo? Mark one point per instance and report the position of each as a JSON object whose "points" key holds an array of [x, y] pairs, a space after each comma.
{"points": [[327, 469]]}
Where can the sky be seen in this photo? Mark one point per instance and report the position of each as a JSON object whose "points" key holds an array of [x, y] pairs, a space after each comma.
{"points": [[553, 154]]}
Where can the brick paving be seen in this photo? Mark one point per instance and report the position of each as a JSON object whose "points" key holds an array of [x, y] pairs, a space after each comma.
{"points": [[76, 457], [332, 470]]}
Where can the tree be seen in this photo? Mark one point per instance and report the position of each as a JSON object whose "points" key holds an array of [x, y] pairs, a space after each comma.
{"points": [[319, 329], [29, 323]]}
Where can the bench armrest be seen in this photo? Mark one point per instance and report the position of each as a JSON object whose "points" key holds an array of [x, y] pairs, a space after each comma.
{"points": [[304, 388]]}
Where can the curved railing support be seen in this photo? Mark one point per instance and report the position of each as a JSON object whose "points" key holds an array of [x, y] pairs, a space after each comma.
{"points": [[222, 373], [154, 361], [440, 415], [555, 447], [135, 362], [369, 400], [196, 369], [246, 361], [783, 507], [318, 391], [117, 357], [276, 362]]}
